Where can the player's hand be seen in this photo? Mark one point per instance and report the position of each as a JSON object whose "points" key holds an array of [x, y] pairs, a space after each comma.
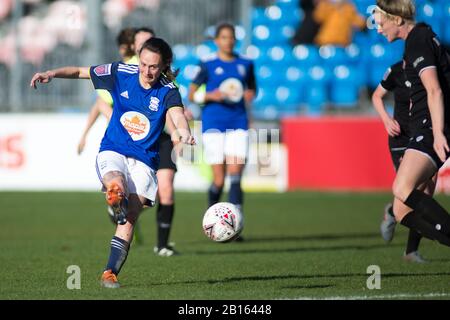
{"points": [[215, 96], [441, 146], [392, 127], [249, 95], [188, 139], [42, 77], [81, 145]]}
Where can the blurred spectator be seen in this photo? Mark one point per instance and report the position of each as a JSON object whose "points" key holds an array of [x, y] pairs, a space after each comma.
{"points": [[5, 8], [337, 19], [308, 28]]}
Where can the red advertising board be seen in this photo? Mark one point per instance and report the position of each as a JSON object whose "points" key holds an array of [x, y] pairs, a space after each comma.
{"points": [[337, 153]]}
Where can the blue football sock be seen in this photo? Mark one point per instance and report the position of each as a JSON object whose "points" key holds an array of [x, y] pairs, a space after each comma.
{"points": [[235, 196], [118, 255], [214, 194]]}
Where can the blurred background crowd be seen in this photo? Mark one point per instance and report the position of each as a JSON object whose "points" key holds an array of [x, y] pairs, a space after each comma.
{"points": [[312, 57]]}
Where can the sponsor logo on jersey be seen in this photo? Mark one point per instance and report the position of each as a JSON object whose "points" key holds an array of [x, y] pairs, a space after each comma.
{"points": [[154, 104], [418, 60], [102, 70], [137, 125], [125, 94]]}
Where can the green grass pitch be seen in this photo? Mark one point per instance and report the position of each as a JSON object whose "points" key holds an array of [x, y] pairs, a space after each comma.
{"points": [[298, 245]]}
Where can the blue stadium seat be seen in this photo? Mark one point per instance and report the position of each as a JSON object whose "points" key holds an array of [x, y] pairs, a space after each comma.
{"points": [[316, 90], [263, 98], [363, 5], [268, 76], [205, 49], [184, 55], [294, 75], [265, 104], [280, 55], [380, 58], [262, 35], [444, 22], [288, 99], [432, 14], [258, 16], [288, 4], [363, 39], [283, 15], [187, 74], [333, 56], [282, 34], [257, 54], [344, 90], [353, 53], [269, 112], [306, 55]]}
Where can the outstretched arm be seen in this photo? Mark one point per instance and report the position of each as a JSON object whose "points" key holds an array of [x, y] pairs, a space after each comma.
{"points": [[64, 72], [181, 124]]}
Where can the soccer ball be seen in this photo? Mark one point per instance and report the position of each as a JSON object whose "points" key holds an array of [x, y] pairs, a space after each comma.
{"points": [[223, 222]]}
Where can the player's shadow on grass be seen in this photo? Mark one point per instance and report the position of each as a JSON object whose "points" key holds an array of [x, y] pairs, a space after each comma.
{"points": [[302, 238], [235, 250], [314, 237], [302, 277], [312, 286], [438, 260]]}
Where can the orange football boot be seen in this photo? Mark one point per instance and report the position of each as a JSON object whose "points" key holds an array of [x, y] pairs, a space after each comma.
{"points": [[109, 280]]}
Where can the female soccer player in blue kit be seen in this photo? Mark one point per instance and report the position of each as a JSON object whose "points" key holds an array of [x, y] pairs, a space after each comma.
{"points": [[230, 85], [128, 156]]}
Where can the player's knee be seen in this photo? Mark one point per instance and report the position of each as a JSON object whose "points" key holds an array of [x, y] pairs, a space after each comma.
{"points": [[165, 194], [401, 189], [114, 177], [219, 182], [132, 216]]}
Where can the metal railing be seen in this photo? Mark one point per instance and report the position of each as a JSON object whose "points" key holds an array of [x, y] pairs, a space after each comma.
{"points": [[178, 21]]}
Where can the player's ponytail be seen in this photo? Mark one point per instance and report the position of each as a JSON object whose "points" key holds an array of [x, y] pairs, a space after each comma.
{"points": [[161, 47]]}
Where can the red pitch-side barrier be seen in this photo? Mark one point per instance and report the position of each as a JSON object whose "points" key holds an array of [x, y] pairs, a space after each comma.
{"points": [[337, 153]]}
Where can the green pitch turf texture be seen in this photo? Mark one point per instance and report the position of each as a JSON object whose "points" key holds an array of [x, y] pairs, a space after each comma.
{"points": [[298, 245]]}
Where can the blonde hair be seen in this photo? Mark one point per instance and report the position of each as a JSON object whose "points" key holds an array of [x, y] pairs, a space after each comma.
{"points": [[404, 9]]}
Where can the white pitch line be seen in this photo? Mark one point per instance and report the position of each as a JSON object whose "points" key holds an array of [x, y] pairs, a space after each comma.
{"points": [[383, 296]]}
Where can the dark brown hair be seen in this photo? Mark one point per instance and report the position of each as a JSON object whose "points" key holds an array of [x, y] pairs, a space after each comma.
{"points": [[161, 47], [223, 26]]}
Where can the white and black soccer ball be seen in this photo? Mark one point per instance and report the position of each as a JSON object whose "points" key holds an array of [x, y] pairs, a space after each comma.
{"points": [[223, 222]]}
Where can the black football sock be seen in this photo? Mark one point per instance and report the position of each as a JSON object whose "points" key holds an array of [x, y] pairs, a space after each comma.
{"points": [[214, 194], [390, 211], [430, 209], [416, 222], [118, 254], [413, 241], [164, 217]]}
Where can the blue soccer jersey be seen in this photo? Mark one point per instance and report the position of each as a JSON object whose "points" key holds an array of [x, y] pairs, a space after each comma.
{"points": [[232, 78], [139, 114]]}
